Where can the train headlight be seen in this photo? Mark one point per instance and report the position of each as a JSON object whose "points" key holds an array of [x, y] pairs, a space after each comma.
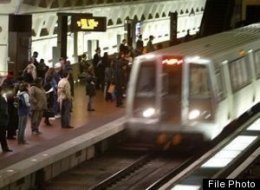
{"points": [[149, 112], [194, 114]]}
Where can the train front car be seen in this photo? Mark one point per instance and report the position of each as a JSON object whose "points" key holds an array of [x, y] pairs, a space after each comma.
{"points": [[170, 100]]}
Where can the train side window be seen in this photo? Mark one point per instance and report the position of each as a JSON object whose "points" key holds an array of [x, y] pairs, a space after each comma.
{"points": [[199, 81], [257, 63], [220, 85], [239, 73]]}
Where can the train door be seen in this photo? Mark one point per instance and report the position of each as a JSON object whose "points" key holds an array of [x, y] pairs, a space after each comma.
{"points": [[223, 96], [171, 78]]}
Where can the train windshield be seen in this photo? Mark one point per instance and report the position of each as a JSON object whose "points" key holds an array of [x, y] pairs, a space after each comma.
{"points": [[146, 80], [145, 90]]}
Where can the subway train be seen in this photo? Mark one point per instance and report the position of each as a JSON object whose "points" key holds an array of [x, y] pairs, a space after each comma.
{"points": [[194, 89]]}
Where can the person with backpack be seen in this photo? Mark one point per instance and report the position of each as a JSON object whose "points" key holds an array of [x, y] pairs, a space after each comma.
{"points": [[23, 111]]}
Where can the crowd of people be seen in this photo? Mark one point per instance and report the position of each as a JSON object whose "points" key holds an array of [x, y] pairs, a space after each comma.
{"points": [[43, 92]]}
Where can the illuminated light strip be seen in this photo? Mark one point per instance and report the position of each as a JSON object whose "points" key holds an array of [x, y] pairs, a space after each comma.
{"points": [[255, 126], [186, 187], [235, 147], [172, 61]]}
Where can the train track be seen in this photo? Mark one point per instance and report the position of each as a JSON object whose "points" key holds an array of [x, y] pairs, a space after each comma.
{"points": [[120, 169], [152, 167]]}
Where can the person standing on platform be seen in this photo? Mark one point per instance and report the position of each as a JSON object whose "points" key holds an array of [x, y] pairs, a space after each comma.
{"points": [[90, 88], [83, 64], [123, 48], [150, 46], [50, 85], [97, 59], [139, 46], [38, 105], [101, 69], [41, 69], [34, 58], [68, 69], [30, 73], [57, 77], [12, 88], [3, 121], [119, 79], [64, 99], [23, 111]]}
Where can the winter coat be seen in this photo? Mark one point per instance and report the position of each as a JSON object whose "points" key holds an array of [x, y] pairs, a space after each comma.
{"points": [[4, 116], [90, 85], [38, 98], [23, 108]]}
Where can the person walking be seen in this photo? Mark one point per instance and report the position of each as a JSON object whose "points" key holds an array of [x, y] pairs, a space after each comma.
{"points": [[3, 122]]}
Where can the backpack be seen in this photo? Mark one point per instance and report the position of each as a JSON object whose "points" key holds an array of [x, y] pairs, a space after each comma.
{"points": [[21, 101]]}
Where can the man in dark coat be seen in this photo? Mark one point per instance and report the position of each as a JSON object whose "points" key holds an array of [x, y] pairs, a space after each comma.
{"points": [[4, 117], [139, 46], [90, 88], [97, 59], [119, 79]]}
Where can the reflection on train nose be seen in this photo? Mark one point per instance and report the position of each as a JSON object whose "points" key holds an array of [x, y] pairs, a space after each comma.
{"points": [[194, 114], [149, 112], [197, 114]]}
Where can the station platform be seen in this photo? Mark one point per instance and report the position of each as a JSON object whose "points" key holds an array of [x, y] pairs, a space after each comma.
{"points": [[82, 121]]}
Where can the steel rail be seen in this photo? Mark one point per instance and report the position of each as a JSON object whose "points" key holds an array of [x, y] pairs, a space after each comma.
{"points": [[122, 173]]}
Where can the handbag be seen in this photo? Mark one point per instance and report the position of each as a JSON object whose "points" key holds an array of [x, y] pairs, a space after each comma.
{"points": [[111, 88]]}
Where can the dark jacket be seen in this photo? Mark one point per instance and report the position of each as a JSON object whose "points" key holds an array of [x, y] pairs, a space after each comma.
{"points": [[90, 85], [24, 109], [4, 116]]}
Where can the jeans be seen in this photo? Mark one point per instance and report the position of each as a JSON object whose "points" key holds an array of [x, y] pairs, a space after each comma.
{"points": [[65, 112], [90, 102], [21, 128]]}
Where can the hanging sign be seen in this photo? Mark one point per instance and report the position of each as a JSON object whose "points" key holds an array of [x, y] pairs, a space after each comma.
{"points": [[87, 23]]}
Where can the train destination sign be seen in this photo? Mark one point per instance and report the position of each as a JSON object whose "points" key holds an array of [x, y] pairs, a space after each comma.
{"points": [[87, 23]]}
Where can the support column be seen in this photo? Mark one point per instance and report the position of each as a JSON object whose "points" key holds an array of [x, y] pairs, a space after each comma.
{"points": [[19, 48], [62, 35], [3, 44], [75, 45], [173, 27]]}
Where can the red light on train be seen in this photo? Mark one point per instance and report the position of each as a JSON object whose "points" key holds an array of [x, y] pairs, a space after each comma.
{"points": [[172, 61]]}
